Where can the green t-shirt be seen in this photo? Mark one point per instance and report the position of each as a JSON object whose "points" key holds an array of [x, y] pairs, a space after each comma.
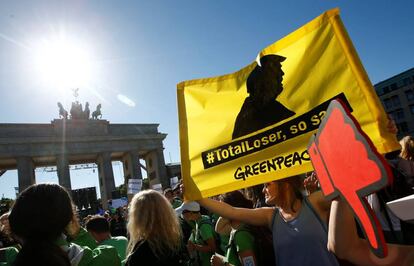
{"points": [[240, 240], [118, 242], [81, 256], [100, 256], [202, 232], [85, 239], [176, 203], [8, 256], [85, 256]]}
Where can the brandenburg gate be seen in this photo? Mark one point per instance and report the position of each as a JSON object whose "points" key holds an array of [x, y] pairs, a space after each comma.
{"points": [[79, 139]]}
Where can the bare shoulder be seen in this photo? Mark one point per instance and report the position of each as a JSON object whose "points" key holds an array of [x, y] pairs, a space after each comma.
{"points": [[268, 212], [263, 216]]}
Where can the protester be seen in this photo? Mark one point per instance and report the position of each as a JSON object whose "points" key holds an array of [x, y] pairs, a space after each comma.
{"points": [[298, 224], [407, 149], [202, 240], [178, 193], [344, 241], [98, 227], [396, 231], [5, 235], [81, 237], [118, 224], [406, 163], [241, 249], [223, 229], [390, 224], [255, 194], [8, 246], [154, 230], [175, 201], [40, 219]]}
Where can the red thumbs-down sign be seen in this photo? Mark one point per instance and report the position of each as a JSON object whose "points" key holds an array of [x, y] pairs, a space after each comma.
{"points": [[348, 165]]}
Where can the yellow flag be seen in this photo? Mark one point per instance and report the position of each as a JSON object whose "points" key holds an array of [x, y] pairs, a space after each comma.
{"points": [[253, 126]]}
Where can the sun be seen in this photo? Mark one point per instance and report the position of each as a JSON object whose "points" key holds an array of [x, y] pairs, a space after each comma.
{"points": [[63, 63]]}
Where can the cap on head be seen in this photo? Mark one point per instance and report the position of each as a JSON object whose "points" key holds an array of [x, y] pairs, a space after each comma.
{"points": [[267, 58], [191, 206], [264, 72]]}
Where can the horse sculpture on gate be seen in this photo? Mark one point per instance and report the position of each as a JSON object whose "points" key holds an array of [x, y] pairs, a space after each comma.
{"points": [[77, 113], [97, 112], [62, 112]]}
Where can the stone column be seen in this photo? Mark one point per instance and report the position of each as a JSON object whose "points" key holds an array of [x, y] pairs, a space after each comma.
{"points": [[132, 169], [25, 172], [106, 177], [63, 172], [156, 171]]}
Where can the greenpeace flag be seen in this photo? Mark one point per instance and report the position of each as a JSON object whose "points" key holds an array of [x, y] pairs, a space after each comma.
{"points": [[253, 126]]}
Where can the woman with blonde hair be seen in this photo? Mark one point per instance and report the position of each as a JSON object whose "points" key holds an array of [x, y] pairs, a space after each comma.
{"points": [[406, 162], [154, 230], [406, 165], [407, 148]]}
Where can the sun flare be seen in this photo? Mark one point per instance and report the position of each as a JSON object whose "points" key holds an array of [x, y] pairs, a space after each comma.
{"points": [[62, 63]]}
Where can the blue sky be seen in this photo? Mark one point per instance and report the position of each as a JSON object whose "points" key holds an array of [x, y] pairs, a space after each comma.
{"points": [[137, 51]]}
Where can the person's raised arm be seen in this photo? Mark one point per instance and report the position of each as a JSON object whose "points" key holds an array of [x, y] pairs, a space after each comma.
{"points": [[259, 217], [343, 240], [342, 235]]}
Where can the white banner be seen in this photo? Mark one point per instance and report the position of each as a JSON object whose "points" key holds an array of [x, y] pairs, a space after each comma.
{"points": [[157, 187], [173, 181]]}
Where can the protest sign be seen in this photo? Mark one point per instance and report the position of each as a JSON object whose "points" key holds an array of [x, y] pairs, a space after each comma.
{"points": [[253, 126], [134, 186], [174, 181], [403, 208], [157, 187], [351, 168]]}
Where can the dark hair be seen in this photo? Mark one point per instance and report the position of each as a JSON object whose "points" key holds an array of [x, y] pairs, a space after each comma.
{"points": [[237, 199], [296, 185], [257, 196], [97, 224], [39, 217]]}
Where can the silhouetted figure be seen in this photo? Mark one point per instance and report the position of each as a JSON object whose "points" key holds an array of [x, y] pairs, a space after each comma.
{"points": [[76, 110], [87, 111], [260, 109]]}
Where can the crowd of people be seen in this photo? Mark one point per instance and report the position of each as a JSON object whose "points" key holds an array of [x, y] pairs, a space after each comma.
{"points": [[283, 222]]}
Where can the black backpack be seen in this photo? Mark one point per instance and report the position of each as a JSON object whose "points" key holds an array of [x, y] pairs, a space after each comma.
{"points": [[216, 236]]}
